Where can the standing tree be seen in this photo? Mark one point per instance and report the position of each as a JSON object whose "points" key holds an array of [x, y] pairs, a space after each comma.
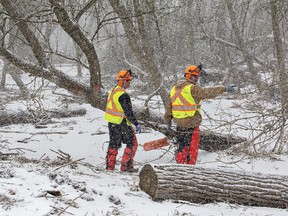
{"points": [[141, 30], [42, 66], [281, 73]]}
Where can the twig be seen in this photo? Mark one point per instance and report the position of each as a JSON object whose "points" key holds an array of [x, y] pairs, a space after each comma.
{"points": [[72, 162], [63, 155], [9, 154], [6, 131], [71, 203], [50, 132], [21, 149], [59, 209], [42, 156]]}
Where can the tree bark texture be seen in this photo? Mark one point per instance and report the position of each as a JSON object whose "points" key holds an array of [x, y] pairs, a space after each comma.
{"points": [[205, 185]]}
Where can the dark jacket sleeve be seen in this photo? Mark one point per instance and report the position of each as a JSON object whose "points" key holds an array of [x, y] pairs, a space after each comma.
{"points": [[125, 102]]}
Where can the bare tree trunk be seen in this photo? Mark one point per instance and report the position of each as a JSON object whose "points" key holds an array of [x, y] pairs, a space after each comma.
{"points": [[140, 43], [59, 78], [29, 35], [14, 72], [3, 76], [205, 185], [78, 58], [48, 32], [191, 31], [282, 75], [10, 68], [83, 42], [92, 93], [241, 45]]}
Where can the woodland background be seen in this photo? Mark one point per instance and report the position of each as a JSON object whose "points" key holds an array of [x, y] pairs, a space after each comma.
{"points": [[63, 56], [242, 42]]}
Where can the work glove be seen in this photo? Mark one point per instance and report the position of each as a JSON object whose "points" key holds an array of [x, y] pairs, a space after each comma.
{"points": [[170, 131], [138, 129], [232, 88]]}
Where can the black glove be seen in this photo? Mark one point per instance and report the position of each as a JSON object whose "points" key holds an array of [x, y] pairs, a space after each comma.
{"points": [[169, 131], [232, 88]]}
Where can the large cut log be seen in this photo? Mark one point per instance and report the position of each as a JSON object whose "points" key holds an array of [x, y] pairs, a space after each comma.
{"points": [[205, 185]]}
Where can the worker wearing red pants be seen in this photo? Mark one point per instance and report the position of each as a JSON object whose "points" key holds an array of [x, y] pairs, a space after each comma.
{"points": [[184, 108], [120, 117]]}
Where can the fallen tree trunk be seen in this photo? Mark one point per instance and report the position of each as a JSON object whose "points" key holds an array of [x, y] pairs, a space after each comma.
{"points": [[36, 117], [205, 185], [209, 140]]}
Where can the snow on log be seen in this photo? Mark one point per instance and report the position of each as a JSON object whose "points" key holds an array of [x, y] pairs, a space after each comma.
{"points": [[206, 185]]}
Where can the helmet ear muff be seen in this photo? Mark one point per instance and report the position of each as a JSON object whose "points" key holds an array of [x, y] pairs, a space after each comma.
{"points": [[120, 83], [188, 75]]}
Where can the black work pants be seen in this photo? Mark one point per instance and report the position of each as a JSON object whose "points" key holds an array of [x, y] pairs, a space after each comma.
{"points": [[120, 133], [183, 136]]}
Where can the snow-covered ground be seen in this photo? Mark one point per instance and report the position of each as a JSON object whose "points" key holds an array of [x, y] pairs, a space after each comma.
{"points": [[85, 187]]}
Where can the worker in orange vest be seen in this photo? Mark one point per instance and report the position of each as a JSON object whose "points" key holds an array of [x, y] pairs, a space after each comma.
{"points": [[120, 117]]}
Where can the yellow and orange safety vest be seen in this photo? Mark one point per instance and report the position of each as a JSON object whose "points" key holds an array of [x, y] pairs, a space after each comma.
{"points": [[183, 103], [114, 112]]}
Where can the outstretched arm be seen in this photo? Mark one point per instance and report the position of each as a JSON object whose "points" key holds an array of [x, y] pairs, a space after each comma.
{"points": [[200, 93]]}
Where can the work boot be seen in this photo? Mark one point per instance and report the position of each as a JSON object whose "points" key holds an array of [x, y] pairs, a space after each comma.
{"points": [[129, 170], [111, 159]]}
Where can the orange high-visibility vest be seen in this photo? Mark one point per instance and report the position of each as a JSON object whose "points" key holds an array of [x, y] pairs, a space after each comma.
{"points": [[183, 103], [114, 112]]}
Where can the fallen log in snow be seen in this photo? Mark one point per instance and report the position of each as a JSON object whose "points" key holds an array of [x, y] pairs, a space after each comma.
{"points": [[36, 117], [209, 140], [205, 185]]}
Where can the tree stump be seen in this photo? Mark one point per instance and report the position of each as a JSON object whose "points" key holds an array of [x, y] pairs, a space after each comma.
{"points": [[205, 185]]}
